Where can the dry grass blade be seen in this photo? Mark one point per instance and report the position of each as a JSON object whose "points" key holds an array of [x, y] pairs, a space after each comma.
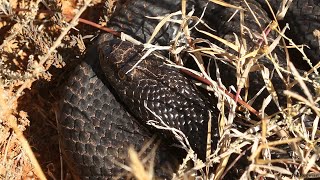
{"points": [[222, 166], [267, 79], [126, 37], [208, 152], [304, 100], [253, 14], [275, 43], [225, 4], [274, 168], [263, 146], [25, 145], [149, 51], [315, 128], [302, 84], [137, 167], [311, 162], [161, 24], [229, 44], [284, 6]]}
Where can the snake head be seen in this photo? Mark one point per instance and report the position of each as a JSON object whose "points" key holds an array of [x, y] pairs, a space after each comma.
{"points": [[122, 62]]}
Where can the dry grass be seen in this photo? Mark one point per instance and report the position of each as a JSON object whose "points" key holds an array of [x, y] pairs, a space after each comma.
{"points": [[37, 38], [294, 126]]}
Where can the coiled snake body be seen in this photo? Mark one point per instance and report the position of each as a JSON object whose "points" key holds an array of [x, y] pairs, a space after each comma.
{"points": [[108, 105]]}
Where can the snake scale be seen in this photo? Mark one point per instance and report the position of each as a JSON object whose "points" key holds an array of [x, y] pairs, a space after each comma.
{"points": [[105, 109]]}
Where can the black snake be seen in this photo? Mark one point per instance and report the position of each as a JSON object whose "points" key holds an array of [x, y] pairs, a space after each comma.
{"points": [[96, 126]]}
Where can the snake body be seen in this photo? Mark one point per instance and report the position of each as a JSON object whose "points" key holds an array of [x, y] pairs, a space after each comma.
{"points": [[107, 105], [97, 130], [160, 90]]}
